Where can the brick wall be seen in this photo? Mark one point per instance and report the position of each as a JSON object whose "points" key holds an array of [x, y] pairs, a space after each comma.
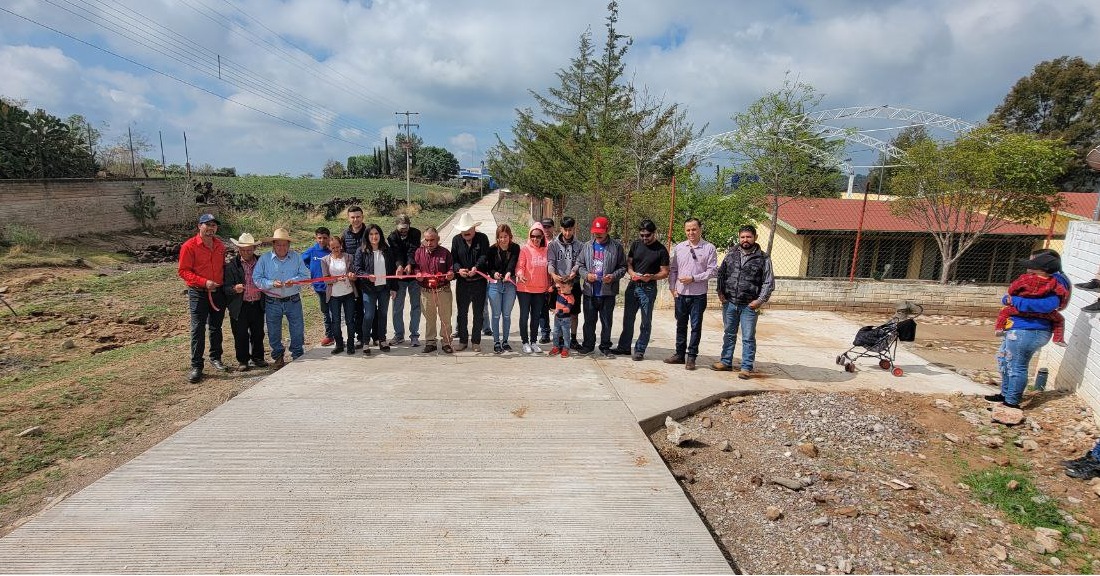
{"points": [[60, 208], [1077, 366], [876, 297]]}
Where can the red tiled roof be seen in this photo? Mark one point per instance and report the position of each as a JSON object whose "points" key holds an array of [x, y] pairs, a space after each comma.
{"points": [[1076, 203], [821, 214]]}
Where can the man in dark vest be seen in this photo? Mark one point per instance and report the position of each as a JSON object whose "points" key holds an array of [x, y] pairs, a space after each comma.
{"points": [[745, 282]]}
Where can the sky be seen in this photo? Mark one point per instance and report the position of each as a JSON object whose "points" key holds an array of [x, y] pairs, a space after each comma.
{"points": [[303, 81]]}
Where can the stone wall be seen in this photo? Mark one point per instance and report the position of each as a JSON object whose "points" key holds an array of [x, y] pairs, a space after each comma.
{"points": [[873, 296], [60, 208], [1077, 366]]}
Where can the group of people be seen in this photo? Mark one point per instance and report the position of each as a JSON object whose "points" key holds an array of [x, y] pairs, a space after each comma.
{"points": [[552, 275]]}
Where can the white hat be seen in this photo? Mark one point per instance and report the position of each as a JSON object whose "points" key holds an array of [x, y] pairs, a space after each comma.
{"points": [[280, 234], [245, 241], [466, 222]]}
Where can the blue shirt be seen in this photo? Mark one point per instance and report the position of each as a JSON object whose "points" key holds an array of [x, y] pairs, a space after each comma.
{"points": [[1044, 305], [270, 268], [598, 251], [312, 258]]}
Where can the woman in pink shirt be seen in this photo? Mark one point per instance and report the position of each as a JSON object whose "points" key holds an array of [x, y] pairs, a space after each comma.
{"points": [[532, 284]]}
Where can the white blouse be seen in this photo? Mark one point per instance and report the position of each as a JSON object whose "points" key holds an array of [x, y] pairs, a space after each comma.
{"points": [[337, 267], [379, 268]]}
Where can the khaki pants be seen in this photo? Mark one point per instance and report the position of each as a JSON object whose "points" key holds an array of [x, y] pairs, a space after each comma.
{"points": [[436, 304]]}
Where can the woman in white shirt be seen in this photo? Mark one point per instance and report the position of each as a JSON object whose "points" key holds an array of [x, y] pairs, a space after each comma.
{"points": [[340, 294], [373, 265]]}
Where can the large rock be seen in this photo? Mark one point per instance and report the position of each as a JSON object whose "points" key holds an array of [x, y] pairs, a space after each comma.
{"points": [[677, 434], [990, 441], [1007, 416]]}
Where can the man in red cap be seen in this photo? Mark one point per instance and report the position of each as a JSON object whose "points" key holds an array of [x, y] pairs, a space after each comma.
{"points": [[602, 264]]}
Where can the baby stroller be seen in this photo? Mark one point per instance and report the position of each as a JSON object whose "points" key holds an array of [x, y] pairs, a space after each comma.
{"points": [[882, 341]]}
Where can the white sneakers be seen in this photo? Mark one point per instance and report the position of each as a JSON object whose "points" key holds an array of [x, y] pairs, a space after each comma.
{"points": [[527, 349], [535, 348]]}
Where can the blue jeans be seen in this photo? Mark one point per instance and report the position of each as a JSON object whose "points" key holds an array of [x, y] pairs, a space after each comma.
{"points": [[1015, 354], [562, 337], [639, 296], [413, 290], [375, 307], [343, 306], [330, 327], [274, 311], [734, 316], [689, 310], [502, 297]]}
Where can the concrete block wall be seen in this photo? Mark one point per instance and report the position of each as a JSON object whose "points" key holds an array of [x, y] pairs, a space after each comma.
{"points": [[61, 208], [1077, 366]]}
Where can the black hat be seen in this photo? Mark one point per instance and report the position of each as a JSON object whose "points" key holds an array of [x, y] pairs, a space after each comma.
{"points": [[1046, 262]]}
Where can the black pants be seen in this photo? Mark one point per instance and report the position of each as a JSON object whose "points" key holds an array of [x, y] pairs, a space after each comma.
{"points": [[248, 332], [531, 307], [204, 318], [470, 293], [604, 308], [544, 322], [689, 314], [359, 319]]}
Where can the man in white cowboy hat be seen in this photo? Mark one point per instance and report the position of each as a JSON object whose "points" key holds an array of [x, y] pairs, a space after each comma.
{"points": [[470, 251], [201, 265], [245, 303], [273, 271]]}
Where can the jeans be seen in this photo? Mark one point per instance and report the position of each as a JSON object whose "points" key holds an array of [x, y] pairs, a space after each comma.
{"points": [[364, 335], [1015, 354], [735, 316], [326, 313], [375, 307], [343, 306], [502, 297], [248, 332], [639, 296], [470, 293], [689, 310], [562, 338], [274, 311], [531, 305], [411, 288], [604, 308], [203, 319]]}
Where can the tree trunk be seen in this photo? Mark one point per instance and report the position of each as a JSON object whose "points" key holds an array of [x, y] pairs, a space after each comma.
{"points": [[774, 223]]}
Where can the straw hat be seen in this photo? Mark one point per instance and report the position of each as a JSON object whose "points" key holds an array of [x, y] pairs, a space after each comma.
{"points": [[280, 234], [466, 222], [245, 241]]}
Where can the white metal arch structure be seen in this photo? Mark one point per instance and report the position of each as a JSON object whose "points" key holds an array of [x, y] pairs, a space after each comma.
{"points": [[814, 122]]}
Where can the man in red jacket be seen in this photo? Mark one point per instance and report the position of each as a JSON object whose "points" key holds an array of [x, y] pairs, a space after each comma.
{"points": [[202, 263]]}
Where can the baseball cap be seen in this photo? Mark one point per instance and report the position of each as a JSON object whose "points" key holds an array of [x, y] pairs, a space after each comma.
{"points": [[599, 224], [547, 222], [1046, 262], [208, 218]]}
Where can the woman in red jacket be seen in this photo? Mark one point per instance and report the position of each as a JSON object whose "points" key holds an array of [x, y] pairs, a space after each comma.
{"points": [[532, 284]]}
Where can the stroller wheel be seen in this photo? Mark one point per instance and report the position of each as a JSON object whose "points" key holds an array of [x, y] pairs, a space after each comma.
{"points": [[897, 372], [840, 360], [884, 364], [849, 367]]}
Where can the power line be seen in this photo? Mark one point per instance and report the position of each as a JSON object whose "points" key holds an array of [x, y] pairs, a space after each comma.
{"points": [[180, 80]]}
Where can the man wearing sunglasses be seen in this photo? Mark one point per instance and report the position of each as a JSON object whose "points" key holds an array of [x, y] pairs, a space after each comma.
{"points": [[646, 263], [602, 264], [745, 282], [694, 262]]}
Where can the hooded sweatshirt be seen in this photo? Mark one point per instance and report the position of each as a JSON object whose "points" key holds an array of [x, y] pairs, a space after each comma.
{"points": [[532, 265]]}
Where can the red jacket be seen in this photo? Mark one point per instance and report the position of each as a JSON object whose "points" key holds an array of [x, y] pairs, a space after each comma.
{"points": [[199, 263]]}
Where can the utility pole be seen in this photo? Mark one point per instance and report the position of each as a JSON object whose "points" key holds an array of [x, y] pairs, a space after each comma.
{"points": [[186, 157], [408, 154]]}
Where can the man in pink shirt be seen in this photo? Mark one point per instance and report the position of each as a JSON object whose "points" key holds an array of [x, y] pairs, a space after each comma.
{"points": [[694, 262]]}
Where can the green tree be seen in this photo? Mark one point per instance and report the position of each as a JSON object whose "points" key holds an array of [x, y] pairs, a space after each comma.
{"points": [[415, 142], [1060, 99], [778, 147], [963, 190], [333, 169], [435, 163], [38, 145], [387, 167]]}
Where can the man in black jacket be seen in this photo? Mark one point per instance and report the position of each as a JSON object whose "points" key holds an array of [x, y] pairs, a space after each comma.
{"points": [[403, 243], [354, 236], [745, 282], [245, 303], [470, 250]]}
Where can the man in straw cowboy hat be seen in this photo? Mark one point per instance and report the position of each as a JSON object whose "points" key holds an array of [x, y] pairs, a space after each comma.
{"points": [[201, 265], [470, 251], [245, 303], [273, 271]]}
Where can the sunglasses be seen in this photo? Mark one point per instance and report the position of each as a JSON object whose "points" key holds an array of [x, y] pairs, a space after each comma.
{"points": [[693, 256], [645, 234], [536, 235]]}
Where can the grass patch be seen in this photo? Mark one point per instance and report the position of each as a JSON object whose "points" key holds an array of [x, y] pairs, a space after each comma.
{"points": [[1025, 505], [67, 369]]}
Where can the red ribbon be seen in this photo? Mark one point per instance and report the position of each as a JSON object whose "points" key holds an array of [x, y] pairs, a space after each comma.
{"points": [[210, 298], [493, 280], [417, 276]]}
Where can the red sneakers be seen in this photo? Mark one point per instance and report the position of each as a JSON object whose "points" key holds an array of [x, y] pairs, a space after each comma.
{"points": [[555, 351], [564, 352], [326, 341]]}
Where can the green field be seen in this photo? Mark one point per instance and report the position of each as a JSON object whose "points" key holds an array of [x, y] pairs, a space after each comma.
{"points": [[316, 191]]}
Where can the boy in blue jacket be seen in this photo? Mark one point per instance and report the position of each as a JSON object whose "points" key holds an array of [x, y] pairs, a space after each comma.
{"points": [[312, 258]]}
